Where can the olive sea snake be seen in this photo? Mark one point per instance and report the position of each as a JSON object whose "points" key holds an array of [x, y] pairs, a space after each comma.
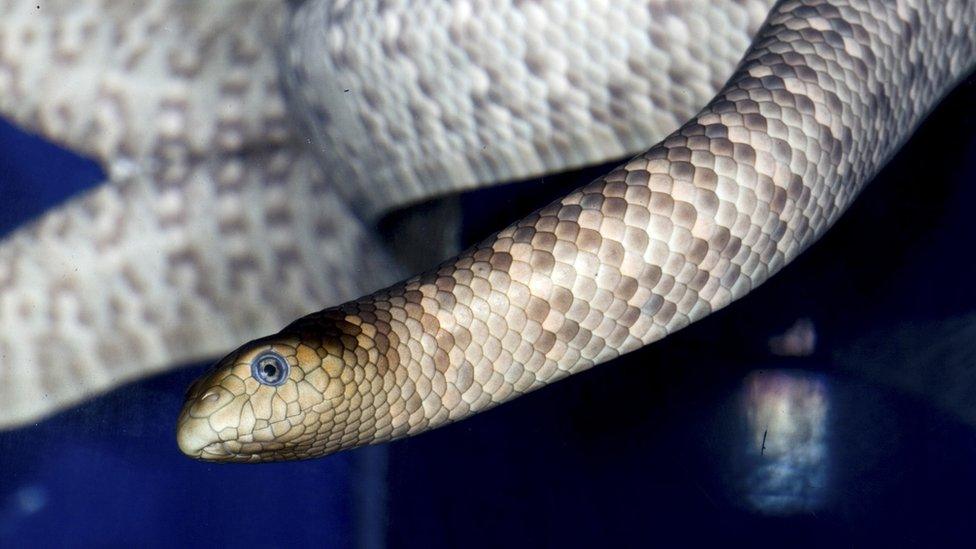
{"points": [[827, 92]]}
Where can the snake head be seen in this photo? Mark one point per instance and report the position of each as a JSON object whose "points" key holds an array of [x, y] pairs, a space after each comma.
{"points": [[306, 392]]}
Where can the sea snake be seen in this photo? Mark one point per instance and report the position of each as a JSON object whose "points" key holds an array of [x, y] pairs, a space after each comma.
{"points": [[251, 148], [826, 93]]}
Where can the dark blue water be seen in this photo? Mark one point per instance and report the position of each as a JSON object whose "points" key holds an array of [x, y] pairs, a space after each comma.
{"points": [[668, 446]]}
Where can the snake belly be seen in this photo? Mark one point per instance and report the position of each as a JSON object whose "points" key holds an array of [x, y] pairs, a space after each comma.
{"points": [[826, 94]]}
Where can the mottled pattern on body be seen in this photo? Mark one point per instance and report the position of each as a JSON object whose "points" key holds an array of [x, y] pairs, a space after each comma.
{"points": [[827, 93]]}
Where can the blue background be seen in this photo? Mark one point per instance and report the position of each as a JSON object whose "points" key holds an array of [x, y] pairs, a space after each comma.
{"points": [[639, 451]]}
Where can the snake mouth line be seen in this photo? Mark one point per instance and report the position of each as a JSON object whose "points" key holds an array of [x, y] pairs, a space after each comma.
{"points": [[219, 452], [216, 449]]}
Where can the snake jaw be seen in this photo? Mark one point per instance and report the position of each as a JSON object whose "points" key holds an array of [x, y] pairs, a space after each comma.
{"points": [[198, 440]]}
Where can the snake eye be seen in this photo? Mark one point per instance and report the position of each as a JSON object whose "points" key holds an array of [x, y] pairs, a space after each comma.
{"points": [[270, 369]]}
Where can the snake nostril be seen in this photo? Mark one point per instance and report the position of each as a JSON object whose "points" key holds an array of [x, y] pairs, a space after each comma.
{"points": [[209, 402], [210, 397]]}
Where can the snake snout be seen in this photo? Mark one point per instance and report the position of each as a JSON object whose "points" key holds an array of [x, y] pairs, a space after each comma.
{"points": [[193, 435], [194, 432]]}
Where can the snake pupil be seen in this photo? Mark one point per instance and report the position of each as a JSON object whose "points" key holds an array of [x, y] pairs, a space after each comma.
{"points": [[270, 369]]}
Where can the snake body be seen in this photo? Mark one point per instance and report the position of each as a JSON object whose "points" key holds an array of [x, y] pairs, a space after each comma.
{"points": [[250, 151], [827, 92], [406, 100]]}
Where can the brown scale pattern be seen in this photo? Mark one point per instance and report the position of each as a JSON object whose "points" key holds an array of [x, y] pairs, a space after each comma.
{"points": [[828, 92]]}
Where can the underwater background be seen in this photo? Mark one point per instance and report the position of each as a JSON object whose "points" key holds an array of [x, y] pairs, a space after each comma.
{"points": [[711, 436]]}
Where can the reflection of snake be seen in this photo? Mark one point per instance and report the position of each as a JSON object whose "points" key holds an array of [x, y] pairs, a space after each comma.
{"points": [[827, 93]]}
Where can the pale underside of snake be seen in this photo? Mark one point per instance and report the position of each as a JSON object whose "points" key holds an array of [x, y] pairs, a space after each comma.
{"points": [[223, 217], [826, 93]]}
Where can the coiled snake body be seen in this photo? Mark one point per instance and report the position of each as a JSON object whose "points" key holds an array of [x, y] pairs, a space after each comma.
{"points": [[825, 95]]}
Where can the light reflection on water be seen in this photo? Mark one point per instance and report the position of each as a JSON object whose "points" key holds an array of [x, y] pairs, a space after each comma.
{"points": [[785, 455]]}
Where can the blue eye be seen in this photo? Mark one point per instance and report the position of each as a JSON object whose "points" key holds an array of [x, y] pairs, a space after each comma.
{"points": [[270, 369]]}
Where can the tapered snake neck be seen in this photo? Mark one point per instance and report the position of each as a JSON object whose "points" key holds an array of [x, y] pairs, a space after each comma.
{"points": [[827, 93]]}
